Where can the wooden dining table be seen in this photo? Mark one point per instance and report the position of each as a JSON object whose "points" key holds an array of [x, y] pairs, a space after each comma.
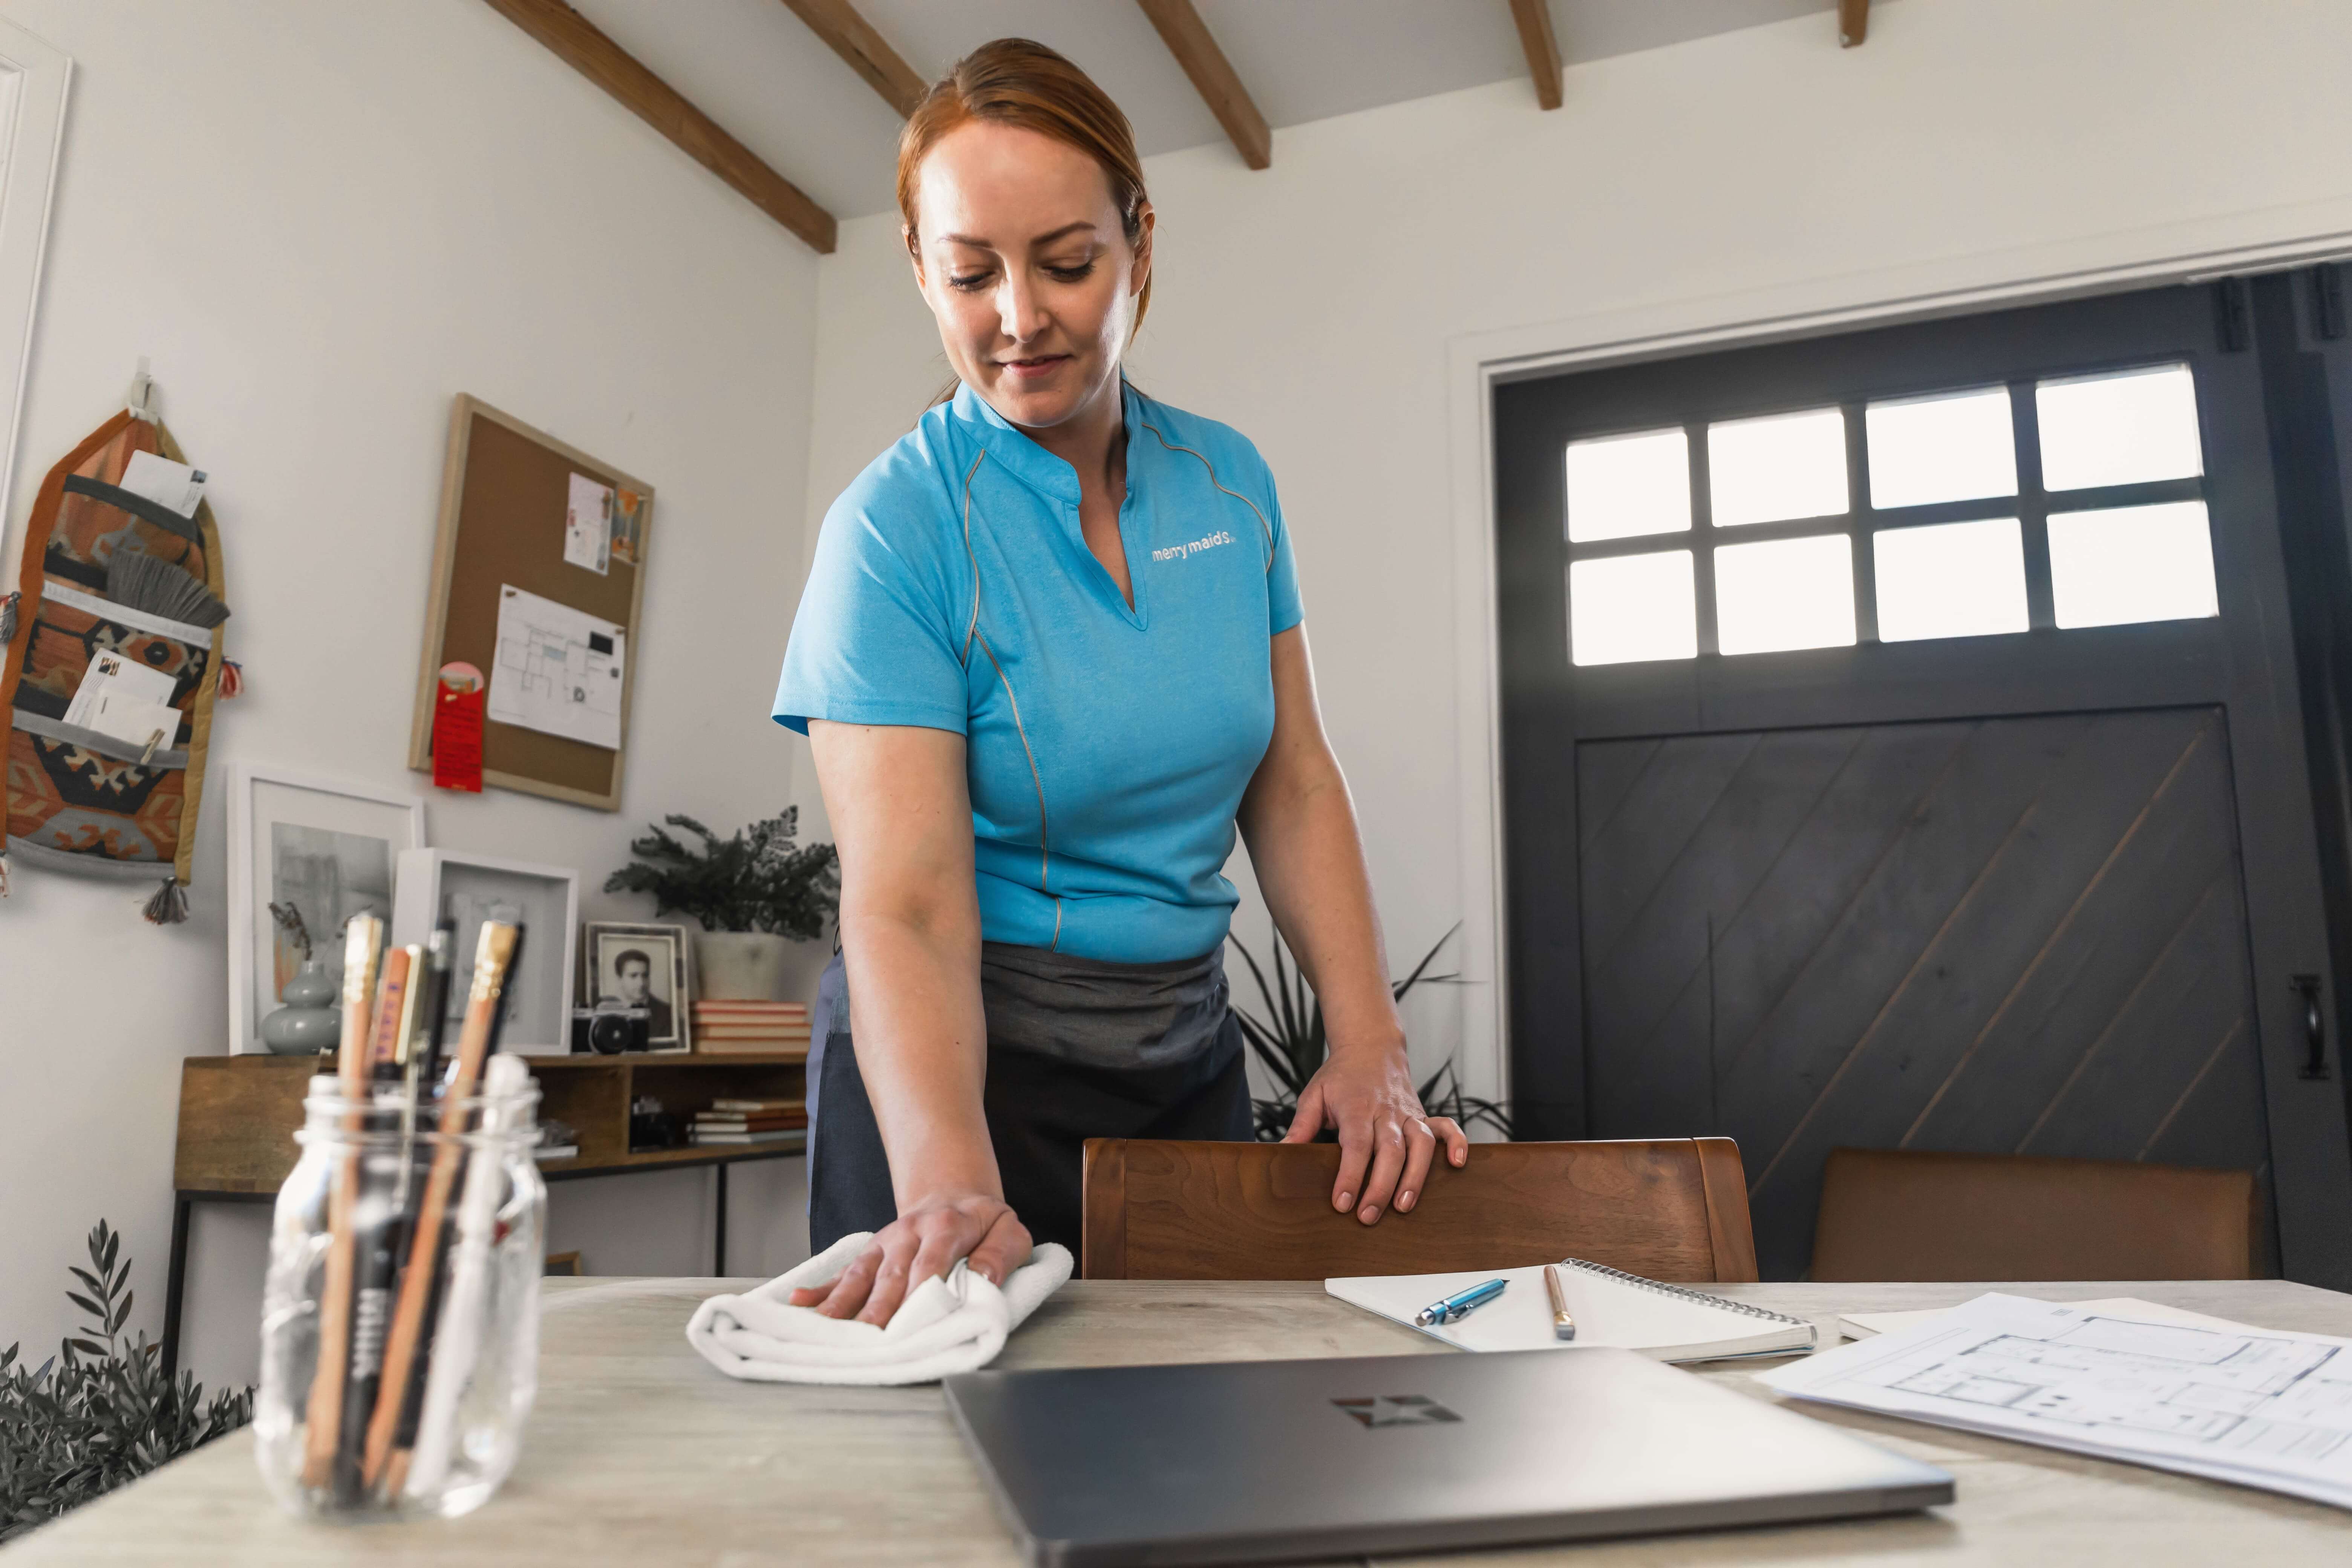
{"points": [[638, 1452]]}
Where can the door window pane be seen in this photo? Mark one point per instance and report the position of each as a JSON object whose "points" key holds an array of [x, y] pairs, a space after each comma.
{"points": [[1629, 607], [1953, 580], [1779, 467], [2121, 429], [2132, 563], [1787, 593], [1623, 486], [1951, 447]]}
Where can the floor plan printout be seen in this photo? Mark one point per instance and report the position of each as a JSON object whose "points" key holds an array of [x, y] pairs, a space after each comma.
{"points": [[557, 670], [2250, 1406]]}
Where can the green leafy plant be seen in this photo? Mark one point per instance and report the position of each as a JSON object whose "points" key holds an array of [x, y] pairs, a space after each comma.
{"points": [[756, 880], [1290, 1042], [99, 1411]]}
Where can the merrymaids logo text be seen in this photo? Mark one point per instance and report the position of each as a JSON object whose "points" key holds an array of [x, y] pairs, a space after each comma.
{"points": [[1178, 551]]}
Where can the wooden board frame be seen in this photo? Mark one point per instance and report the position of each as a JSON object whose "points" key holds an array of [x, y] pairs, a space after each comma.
{"points": [[445, 566]]}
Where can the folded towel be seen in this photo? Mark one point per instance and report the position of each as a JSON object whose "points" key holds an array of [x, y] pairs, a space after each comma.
{"points": [[945, 1325]]}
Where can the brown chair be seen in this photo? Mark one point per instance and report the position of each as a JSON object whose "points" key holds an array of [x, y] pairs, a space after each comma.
{"points": [[1890, 1214], [1668, 1209]]}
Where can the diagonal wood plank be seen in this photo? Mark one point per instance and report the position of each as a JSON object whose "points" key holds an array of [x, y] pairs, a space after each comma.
{"points": [[864, 51], [1533, 19], [1214, 77], [573, 40]]}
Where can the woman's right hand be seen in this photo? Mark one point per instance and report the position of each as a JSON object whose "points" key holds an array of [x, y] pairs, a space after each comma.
{"points": [[923, 1244]]}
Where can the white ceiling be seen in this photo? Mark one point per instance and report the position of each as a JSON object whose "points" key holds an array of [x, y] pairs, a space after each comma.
{"points": [[752, 66]]}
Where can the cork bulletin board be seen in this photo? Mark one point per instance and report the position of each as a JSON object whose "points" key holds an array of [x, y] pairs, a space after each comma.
{"points": [[516, 549]]}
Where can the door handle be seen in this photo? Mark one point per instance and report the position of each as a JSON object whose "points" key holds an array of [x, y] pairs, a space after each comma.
{"points": [[2314, 1027]]}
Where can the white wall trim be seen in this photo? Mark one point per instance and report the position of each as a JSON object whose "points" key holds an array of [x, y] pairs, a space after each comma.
{"points": [[35, 78], [2260, 239]]}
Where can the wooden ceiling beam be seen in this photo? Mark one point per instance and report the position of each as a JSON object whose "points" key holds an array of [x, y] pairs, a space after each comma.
{"points": [[1534, 20], [1854, 22], [1187, 37], [574, 40], [866, 52]]}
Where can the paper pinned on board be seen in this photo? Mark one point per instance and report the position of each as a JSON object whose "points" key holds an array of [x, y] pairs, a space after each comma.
{"points": [[557, 670], [588, 525]]}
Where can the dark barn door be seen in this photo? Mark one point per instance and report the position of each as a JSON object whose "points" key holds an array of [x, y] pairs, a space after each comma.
{"points": [[1902, 750]]}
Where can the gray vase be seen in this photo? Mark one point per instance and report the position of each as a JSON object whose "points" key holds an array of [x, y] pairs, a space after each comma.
{"points": [[740, 965], [308, 1023]]}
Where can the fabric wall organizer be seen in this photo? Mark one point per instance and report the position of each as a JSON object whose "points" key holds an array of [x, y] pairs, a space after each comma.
{"points": [[80, 801]]}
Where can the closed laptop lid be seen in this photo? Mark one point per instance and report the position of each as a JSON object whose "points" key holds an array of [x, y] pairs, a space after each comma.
{"points": [[1256, 1461]]}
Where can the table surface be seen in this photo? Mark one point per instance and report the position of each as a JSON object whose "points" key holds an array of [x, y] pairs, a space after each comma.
{"points": [[639, 1452]]}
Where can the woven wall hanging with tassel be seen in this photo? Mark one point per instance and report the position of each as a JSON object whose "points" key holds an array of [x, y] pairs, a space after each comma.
{"points": [[109, 572]]}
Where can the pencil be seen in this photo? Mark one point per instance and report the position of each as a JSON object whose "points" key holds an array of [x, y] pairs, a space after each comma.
{"points": [[362, 943], [1563, 1327], [491, 957], [375, 1212]]}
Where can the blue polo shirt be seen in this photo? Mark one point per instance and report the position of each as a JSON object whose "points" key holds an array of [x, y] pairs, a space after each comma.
{"points": [[1106, 747]]}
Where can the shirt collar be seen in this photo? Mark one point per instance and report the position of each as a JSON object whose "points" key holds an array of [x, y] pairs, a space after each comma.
{"points": [[1010, 445]]}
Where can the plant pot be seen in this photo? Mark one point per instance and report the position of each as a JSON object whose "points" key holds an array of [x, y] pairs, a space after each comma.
{"points": [[740, 965]]}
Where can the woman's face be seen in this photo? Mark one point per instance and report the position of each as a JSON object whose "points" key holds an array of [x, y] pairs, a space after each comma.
{"points": [[1025, 264]]}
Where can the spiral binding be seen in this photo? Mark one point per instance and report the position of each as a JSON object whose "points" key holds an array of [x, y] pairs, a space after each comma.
{"points": [[1684, 1292]]}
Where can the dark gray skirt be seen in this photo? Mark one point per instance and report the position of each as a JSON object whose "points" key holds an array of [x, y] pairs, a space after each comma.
{"points": [[1078, 1049]]}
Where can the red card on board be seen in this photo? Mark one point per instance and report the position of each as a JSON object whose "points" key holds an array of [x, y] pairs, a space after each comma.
{"points": [[457, 711]]}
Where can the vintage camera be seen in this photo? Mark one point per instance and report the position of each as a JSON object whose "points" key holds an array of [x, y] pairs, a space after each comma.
{"points": [[610, 1027]]}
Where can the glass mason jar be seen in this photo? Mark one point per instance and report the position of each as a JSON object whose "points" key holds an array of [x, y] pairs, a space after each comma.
{"points": [[435, 1345]]}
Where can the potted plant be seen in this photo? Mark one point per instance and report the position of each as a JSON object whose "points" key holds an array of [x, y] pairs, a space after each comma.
{"points": [[1290, 1042], [754, 893], [99, 1411]]}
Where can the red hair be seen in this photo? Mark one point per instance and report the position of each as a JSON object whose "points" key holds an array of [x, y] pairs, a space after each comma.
{"points": [[1013, 81]]}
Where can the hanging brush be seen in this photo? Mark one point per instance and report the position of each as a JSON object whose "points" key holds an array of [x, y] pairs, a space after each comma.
{"points": [[139, 581]]}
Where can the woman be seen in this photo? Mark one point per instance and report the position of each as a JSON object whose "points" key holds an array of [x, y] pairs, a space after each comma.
{"points": [[1048, 659]]}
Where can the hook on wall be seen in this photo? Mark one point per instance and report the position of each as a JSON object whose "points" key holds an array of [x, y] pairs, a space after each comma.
{"points": [[140, 399]]}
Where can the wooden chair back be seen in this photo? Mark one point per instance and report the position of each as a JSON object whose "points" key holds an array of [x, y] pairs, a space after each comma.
{"points": [[1667, 1209], [1890, 1214]]}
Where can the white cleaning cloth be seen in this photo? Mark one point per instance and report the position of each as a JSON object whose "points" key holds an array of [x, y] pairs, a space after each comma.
{"points": [[944, 1326]]}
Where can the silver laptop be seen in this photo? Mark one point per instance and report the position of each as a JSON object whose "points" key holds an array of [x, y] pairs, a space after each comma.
{"points": [[1259, 1461]]}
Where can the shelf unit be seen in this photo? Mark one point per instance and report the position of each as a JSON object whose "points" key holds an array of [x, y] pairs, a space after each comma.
{"points": [[238, 1115]]}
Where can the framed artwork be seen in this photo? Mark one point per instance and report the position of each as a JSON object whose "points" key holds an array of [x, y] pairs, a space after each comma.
{"points": [[535, 1013], [305, 854], [639, 966]]}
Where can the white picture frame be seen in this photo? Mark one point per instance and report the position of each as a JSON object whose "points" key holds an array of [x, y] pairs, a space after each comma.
{"points": [[470, 887], [280, 819], [602, 942]]}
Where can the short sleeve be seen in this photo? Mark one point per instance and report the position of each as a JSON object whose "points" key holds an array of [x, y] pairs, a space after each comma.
{"points": [[1284, 609], [872, 643]]}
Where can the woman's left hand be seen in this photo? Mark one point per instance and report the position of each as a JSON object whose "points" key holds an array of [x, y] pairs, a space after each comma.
{"points": [[1386, 1144]]}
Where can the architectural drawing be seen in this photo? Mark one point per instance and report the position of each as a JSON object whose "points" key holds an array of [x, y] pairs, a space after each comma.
{"points": [[557, 670]]}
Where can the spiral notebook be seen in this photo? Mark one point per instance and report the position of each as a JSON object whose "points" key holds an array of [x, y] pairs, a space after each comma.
{"points": [[1666, 1322]]}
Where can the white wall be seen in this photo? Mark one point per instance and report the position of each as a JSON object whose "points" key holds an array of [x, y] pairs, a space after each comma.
{"points": [[322, 219], [1313, 306]]}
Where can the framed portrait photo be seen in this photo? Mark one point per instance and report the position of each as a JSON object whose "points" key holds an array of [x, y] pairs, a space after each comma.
{"points": [[534, 1012], [639, 966], [305, 855]]}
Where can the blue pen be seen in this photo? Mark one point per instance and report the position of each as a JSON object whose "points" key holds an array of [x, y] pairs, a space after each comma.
{"points": [[1453, 1309]]}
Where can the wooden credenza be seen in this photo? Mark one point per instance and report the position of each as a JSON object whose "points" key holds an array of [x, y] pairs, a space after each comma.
{"points": [[239, 1116]]}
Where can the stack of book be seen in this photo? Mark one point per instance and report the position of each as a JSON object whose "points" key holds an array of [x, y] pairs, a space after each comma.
{"points": [[750, 1121], [743, 1028]]}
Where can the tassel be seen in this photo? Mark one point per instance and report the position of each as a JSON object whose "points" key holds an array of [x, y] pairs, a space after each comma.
{"points": [[4, 871], [169, 907], [8, 617], [232, 680]]}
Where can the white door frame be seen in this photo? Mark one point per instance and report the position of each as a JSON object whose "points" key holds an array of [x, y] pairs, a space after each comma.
{"points": [[2268, 238], [34, 79]]}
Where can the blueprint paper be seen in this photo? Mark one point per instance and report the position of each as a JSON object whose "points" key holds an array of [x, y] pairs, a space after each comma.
{"points": [[557, 670], [2254, 1406]]}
